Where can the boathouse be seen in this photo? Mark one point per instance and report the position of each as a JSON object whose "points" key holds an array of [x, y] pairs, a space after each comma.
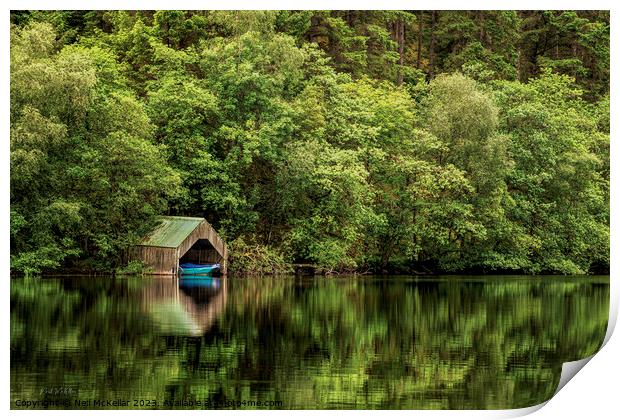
{"points": [[178, 240]]}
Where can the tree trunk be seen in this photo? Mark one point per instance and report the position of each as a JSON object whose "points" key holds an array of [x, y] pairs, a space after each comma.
{"points": [[431, 47], [350, 18], [420, 29], [313, 31], [481, 34], [400, 39]]}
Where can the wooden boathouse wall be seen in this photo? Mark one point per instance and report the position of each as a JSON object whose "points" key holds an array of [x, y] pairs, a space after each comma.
{"points": [[173, 239], [159, 259]]}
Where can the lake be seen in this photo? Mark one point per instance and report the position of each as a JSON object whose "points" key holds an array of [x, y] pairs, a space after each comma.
{"points": [[395, 342]]}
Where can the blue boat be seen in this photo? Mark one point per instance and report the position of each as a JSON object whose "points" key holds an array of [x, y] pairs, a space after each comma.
{"points": [[198, 269]]}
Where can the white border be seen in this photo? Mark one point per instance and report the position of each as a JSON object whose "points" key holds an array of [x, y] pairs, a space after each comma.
{"points": [[592, 395]]}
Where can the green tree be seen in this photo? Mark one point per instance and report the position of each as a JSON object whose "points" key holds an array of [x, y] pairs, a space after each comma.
{"points": [[464, 118], [85, 180], [558, 182]]}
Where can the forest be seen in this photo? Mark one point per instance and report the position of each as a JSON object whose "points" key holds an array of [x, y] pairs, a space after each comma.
{"points": [[358, 141]]}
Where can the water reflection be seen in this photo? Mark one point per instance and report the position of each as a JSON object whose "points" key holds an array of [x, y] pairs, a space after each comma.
{"points": [[186, 305], [392, 342]]}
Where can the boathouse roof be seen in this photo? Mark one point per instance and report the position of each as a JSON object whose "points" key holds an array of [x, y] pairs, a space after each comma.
{"points": [[171, 232]]}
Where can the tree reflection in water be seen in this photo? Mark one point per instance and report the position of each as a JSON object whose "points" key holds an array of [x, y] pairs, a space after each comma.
{"points": [[393, 342]]}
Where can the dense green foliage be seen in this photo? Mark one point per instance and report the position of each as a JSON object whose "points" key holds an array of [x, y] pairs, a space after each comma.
{"points": [[402, 141], [459, 344]]}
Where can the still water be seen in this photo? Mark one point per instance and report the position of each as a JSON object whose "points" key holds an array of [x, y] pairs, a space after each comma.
{"points": [[312, 343]]}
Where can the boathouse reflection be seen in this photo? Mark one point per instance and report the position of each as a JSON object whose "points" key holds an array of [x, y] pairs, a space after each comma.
{"points": [[186, 305]]}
